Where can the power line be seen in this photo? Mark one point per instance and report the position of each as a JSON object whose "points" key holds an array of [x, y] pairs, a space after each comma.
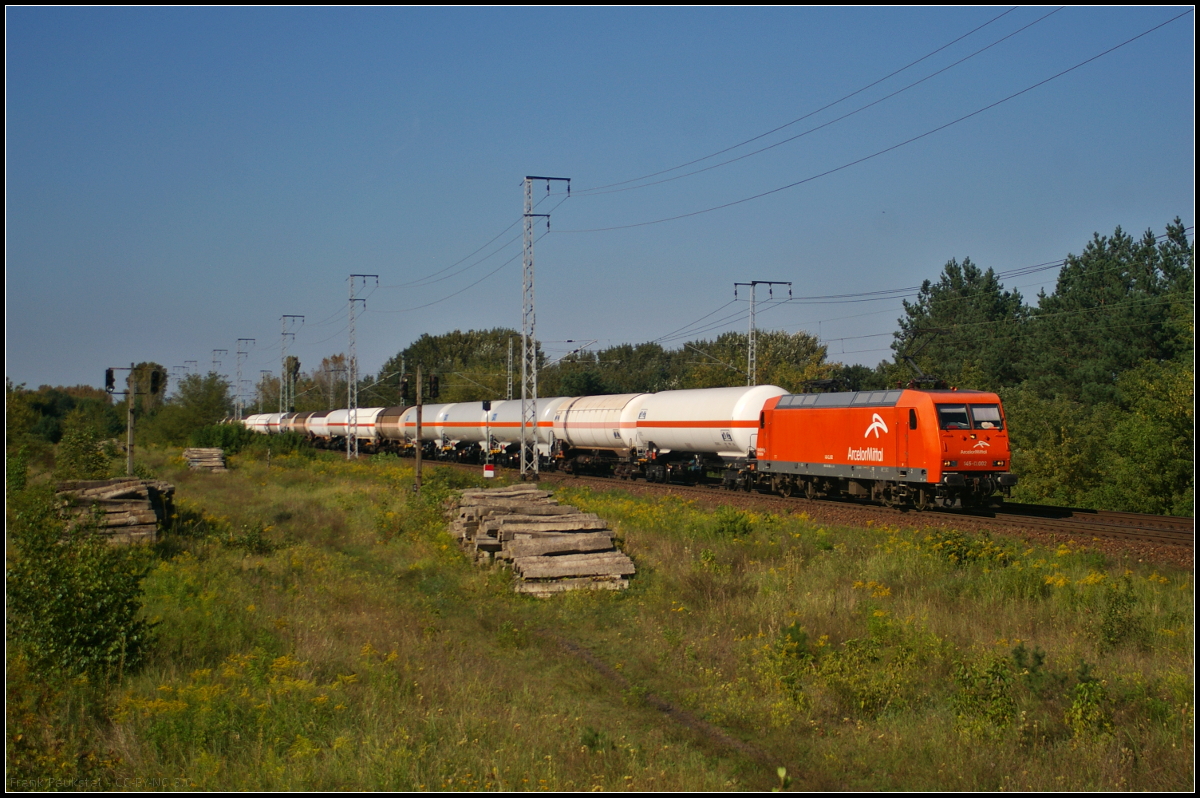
{"points": [[833, 121], [864, 296], [426, 280], [468, 287], [885, 150], [805, 116]]}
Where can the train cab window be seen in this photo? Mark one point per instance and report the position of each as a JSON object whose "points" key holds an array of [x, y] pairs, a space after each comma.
{"points": [[953, 417], [987, 417], [912, 418]]}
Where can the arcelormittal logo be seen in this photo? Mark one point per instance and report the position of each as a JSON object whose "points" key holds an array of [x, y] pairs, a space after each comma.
{"points": [[876, 425]]}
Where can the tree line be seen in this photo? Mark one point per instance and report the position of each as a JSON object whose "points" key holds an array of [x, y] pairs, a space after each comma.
{"points": [[1097, 376]]}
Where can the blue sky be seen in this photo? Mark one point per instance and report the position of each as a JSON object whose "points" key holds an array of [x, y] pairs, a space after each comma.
{"points": [[179, 179]]}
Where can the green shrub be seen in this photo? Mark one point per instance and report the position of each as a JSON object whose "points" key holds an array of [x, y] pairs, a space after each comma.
{"points": [[81, 456], [253, 539], [230, 437], [729, 522], [1089, 716], [1119, 620], [985, 695], [73, 599]]}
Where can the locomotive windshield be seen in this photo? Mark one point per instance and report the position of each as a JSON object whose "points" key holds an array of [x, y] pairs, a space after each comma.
{"points": [[953, 417], [970, 417], [987, 416]]}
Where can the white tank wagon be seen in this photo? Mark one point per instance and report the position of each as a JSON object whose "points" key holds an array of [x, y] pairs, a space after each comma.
{"points": [[407, 425], [678, 435], [451, 423], [593, 433], [337, 423], [318, 425], [297, 423], [720, 421], [256, 422], [504, 422], [598, 422]]}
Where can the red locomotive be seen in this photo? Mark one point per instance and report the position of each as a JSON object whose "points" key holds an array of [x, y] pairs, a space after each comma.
{"points": [[919, 448]]}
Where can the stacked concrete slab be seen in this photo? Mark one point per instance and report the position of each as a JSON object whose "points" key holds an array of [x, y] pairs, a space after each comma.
{"points": [[128, 510], [551, 547], [205, 459]]}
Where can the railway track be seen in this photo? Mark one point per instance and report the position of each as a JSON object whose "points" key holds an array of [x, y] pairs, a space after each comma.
{"points": [[1157, 529], [1078, 524]]}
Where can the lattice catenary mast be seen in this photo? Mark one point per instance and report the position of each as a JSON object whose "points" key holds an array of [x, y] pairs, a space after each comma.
{"points": [[529, 417], [243, 349], [352, 367], [287, 388], [752, 348]]}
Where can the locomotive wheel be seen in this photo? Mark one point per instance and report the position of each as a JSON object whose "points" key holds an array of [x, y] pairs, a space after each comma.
{"points": [[810, 490], [787, 489], [922, 501]]}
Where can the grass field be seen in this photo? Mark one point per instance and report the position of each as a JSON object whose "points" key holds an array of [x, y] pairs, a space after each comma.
{"points": [[317, 628]]}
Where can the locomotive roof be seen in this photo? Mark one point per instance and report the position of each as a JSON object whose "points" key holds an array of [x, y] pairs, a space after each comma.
{"points": [[854, 398]]}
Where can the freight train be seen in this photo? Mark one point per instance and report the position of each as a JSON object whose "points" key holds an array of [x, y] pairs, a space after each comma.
{"points": [[905, 447]]}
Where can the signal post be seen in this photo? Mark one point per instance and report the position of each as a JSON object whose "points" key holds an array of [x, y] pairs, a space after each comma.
{"points": [[130, 392]]}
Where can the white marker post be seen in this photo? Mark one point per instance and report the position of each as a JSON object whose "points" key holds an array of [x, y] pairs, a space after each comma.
{"points": [[489, 470]]}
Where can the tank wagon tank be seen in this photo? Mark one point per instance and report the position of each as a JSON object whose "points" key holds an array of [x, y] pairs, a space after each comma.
{"points": [[463, 430], [665, 436], [919, 448]]}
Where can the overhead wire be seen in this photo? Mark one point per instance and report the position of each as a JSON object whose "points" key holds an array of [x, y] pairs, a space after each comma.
{"points": [[885, 150], [426, 280], [472, 285], [831, 299], [823, 125], [805, 116], [864, 296], [702, 318]]}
